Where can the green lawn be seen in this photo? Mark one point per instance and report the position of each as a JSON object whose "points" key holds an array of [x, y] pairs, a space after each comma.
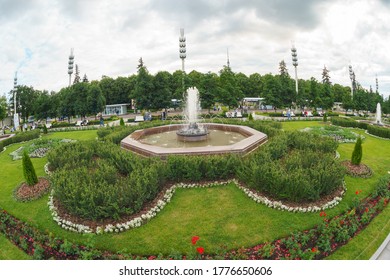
{"points": [[220, 216], [10, 252]]}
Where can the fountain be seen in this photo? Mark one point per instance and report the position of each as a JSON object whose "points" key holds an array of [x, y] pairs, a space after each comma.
{"points": [[193, 138], [193, 131], [378, 115]]}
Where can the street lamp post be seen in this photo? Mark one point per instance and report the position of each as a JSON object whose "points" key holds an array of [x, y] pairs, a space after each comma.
{"points": [[182, 53], [70, 66], [295, 64], [352, 77], [16, 116]]}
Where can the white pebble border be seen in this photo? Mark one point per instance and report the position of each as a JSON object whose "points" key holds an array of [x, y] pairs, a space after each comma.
{"points": [[160, 204]]}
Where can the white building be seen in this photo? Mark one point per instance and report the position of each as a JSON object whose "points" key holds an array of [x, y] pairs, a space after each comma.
{"points": [[115, 109]]}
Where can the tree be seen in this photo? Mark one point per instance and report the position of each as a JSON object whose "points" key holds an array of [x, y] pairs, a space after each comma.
{"points": [[162, 95], [357, 152], [208, 90], [76, 75], [42, 105], [29, 170], [143, 89], [85, 78], [325, 76], [95, 99], [283, 69], [106, 84], [3, 109], [80, 93], [229, 92]]}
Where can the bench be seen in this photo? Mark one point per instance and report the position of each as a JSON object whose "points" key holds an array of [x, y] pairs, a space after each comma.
{"points": [[139, 119]]}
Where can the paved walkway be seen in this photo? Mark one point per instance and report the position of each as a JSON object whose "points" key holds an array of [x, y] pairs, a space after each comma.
{"points": [[383, 252]]}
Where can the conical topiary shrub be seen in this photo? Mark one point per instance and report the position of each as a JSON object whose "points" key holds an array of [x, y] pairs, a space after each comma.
{"points": [[29, 170], [122, 122], [357, 152]]}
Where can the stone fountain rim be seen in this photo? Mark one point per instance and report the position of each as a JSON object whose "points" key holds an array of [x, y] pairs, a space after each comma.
{"points": [[253, 139]]}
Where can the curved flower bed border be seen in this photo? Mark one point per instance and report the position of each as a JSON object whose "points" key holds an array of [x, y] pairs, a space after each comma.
{"points": [[141, 219], [365, 171], [316, 243], [33, 192]]}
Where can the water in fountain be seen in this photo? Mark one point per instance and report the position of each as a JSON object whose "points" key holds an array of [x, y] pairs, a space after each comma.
{"points": [[192, 131], [378, 116]]}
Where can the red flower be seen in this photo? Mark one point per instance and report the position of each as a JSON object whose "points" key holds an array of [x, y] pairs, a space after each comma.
{"points": [[200, 250], [357, 192], [366, 210], [314, 250], [322, 214], [194, 239]]}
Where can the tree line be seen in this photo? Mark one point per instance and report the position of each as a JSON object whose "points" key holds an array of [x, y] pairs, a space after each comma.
{"points": [[155, 92]]}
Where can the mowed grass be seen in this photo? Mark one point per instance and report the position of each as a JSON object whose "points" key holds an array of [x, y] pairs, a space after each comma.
{"points": [[9, 251], [221, 216]]}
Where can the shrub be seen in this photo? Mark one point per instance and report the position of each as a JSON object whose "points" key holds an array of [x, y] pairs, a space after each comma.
{"points": [[250, 117], [325, 118], [44, 129], [29, 170], [357, 152], [21, 137], [121, 122], [295, 167], [379, 131]]}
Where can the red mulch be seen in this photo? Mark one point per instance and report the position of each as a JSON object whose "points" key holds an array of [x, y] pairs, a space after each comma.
{"points": [[360, 170], [26, 193]]}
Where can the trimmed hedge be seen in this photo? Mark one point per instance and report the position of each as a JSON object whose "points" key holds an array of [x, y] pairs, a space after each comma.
{"points": [[379, 131], [294, 167], [344, 122], [372, 129], [20, 137]]}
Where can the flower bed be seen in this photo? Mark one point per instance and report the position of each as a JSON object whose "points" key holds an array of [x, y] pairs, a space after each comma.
{"points": [[67, 222], [315, 243], [361, 170], [341, 135], [24, 192]]}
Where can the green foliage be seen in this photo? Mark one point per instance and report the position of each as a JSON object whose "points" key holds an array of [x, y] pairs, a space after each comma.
{"points": [[325, 118], [357, 152], [379, 131], [250, 117], [44, 129], [29, 170], [344, 122], [121, 122], [295, 167], [21, 137]]}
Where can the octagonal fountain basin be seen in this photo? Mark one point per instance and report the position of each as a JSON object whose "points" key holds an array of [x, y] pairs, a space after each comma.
{"points": [[221, 139]]}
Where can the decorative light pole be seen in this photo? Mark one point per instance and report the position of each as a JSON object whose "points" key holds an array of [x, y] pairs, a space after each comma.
{"points": [[352, 77], [182, 53], [70, 66], [376, 84], [16, 116], [295, 64]]}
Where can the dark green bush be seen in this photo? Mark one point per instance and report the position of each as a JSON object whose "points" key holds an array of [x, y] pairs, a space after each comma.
{"points": [[28, 170], [121, 122], [293, 166], [357, 152], [44, 129], [21, 137], [379, 131], [344, 122]]}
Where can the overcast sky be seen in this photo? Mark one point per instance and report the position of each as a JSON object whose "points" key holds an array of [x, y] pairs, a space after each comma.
{"points": [[109, 36]]}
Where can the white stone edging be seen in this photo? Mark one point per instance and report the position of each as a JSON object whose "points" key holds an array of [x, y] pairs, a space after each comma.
{"points": [[160, 204]]}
